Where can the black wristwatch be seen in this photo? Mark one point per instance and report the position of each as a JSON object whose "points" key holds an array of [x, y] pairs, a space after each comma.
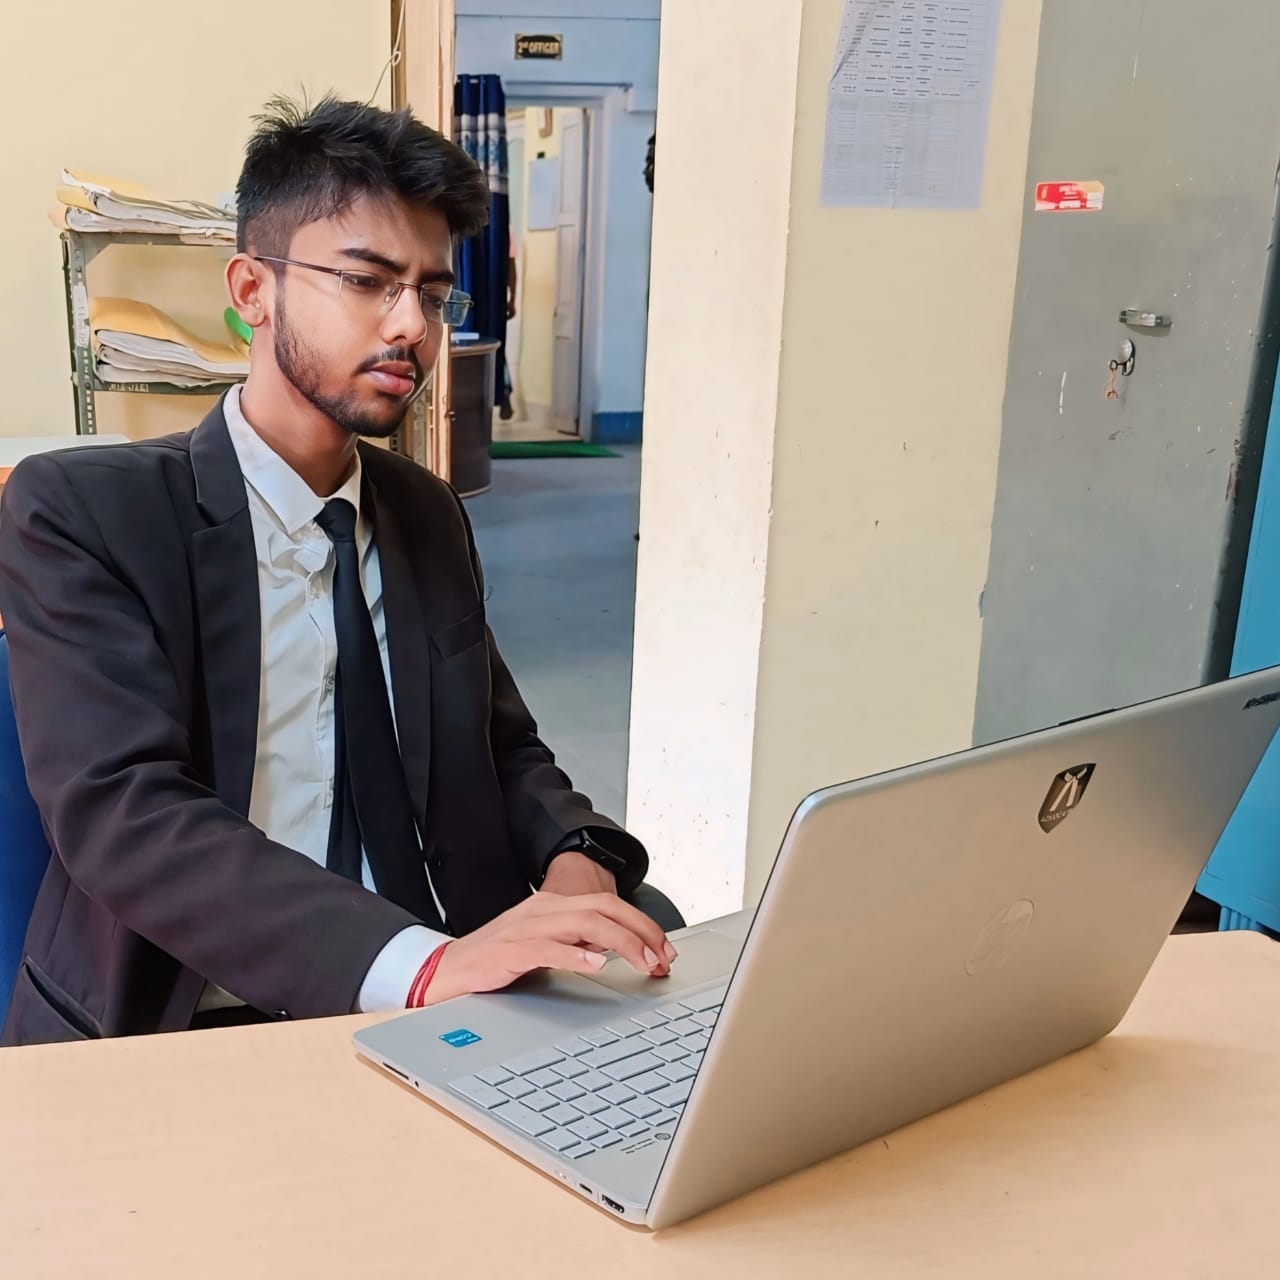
{"points": [[582, 842]]}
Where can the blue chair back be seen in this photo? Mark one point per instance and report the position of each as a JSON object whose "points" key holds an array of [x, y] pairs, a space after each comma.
{"points": [[24, 852]]}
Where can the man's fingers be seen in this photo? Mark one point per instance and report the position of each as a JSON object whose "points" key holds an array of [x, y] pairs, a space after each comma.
{"points": [[579, 924], [559, 955], [634, 921]]}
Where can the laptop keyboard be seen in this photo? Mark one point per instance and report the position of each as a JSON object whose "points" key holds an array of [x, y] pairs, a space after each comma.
{"points": [[595, 1090]]}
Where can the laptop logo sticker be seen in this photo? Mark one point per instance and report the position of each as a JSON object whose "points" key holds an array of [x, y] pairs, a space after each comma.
{"points": [[461, 1038], [1065, 795]]}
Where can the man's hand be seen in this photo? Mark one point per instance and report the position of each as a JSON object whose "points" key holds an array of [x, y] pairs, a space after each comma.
{"points": [[572, 874], [548, 931]]}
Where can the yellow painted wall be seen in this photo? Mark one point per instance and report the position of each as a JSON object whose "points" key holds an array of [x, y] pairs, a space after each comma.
{"points": [[887, 439], [162, 95], [537, 267], [822, 421]]}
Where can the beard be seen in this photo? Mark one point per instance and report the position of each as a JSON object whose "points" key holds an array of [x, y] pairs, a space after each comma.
{"points": [[302, 365]]}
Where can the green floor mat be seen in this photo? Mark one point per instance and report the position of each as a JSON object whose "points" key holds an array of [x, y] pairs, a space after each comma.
{"points": [[507, 449]]}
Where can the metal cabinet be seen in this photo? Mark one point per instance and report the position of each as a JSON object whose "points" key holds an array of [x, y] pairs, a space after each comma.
{"points": [[1122, 521]]}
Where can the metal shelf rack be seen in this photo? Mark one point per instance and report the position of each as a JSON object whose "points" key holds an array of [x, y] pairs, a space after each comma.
{"points": [[79, 248]]}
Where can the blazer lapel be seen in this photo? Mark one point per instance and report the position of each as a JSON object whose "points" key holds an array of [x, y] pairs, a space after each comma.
{"points": [[226, 585], [407, 650]]}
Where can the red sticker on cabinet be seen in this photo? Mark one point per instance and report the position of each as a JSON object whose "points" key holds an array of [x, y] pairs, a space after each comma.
{"points": [[1068, 197]]}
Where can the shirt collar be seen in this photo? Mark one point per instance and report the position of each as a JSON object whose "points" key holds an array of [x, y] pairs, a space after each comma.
{"points": [[284, 493]]}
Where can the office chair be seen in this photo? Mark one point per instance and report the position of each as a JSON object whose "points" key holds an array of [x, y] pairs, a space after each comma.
{"points": [[24, 852]]}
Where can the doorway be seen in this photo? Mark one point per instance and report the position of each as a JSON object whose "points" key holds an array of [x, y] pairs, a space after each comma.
{"points": [[557, 529], [548, 157]]}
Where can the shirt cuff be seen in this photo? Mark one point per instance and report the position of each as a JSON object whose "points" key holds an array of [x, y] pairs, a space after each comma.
{"points": [[386, 985]]}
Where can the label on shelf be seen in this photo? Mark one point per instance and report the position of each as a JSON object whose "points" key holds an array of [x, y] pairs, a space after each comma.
{"points": [[80, 313]]}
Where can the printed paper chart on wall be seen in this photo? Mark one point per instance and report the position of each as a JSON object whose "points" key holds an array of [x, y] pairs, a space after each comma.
{"points": [[907, 104]]}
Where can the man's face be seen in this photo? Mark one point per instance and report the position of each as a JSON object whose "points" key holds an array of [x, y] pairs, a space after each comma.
{"points": [[357, 360]]}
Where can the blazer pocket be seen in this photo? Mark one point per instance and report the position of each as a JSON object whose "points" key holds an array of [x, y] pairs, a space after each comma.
{"points": [[43, 1014], [461, 636]]}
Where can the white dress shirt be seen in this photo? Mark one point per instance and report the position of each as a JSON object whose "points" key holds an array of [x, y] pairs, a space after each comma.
{"points": [[293, 781]]}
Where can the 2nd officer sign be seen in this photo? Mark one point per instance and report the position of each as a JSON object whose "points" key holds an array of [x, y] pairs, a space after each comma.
{"points": [[539, 46]]}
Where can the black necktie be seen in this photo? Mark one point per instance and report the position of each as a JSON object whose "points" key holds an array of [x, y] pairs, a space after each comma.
{"points": [[371, 805]]}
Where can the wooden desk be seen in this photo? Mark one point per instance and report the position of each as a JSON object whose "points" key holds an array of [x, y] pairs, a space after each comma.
{"points": [[274, 1151]]}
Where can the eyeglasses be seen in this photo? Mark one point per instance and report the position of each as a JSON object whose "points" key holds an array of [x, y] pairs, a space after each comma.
{"points": [[376, 293]]}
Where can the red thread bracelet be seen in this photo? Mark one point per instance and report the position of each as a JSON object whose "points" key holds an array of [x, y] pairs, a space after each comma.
{"points": [[418, 988]]}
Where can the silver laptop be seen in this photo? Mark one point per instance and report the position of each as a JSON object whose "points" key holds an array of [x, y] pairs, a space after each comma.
{"points": [[924, 935]]}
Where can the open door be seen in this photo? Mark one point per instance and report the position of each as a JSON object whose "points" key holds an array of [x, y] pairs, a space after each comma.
{"points": [[567, 323]]}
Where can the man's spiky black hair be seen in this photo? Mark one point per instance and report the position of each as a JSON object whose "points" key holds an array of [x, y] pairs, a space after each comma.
{"points": [[304, 164]]}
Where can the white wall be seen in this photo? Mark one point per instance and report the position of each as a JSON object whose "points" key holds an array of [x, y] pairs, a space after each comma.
{"points": [[719, 248], [611, 63], [605, 42]]}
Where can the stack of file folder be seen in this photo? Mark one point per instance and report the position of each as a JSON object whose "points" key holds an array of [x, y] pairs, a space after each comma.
{"points": [[88, 202], [135, 343]]}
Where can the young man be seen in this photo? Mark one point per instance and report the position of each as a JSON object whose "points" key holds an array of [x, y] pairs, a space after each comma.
{"points": [[277, 753]]}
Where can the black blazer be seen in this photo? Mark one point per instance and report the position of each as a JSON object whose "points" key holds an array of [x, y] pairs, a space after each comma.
{"points": [[129, 591]]}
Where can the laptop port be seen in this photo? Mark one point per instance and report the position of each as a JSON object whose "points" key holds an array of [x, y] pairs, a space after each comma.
{"points": [[396, 1071], [586, 1190], [612, 1204]]}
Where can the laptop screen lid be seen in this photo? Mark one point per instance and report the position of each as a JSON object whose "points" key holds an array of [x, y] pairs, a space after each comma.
{"points": [[931, 932]]}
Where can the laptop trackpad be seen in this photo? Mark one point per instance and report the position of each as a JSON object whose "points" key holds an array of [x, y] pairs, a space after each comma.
{"points": [[704, 957]]}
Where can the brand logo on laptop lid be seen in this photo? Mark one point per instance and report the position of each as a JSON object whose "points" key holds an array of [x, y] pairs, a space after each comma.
{"points": [[1065, 795], [1265, 700]]}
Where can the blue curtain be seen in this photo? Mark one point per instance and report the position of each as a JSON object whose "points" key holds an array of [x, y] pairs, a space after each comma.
{"points": [[480, 129]]}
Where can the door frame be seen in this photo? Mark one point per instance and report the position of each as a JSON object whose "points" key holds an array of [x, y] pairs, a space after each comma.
{"points": [[423, 81], [594, 103], [517, 133], [567, 347]]}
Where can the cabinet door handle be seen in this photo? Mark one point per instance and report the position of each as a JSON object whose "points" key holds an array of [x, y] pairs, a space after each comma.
{"points": [[1145, 319]]}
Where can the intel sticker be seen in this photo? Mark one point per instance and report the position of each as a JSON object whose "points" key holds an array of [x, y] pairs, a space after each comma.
{"points": [[461, 1038]]}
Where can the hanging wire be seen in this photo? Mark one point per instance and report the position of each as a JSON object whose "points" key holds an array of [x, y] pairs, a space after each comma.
{"points": [[396, 53]]}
